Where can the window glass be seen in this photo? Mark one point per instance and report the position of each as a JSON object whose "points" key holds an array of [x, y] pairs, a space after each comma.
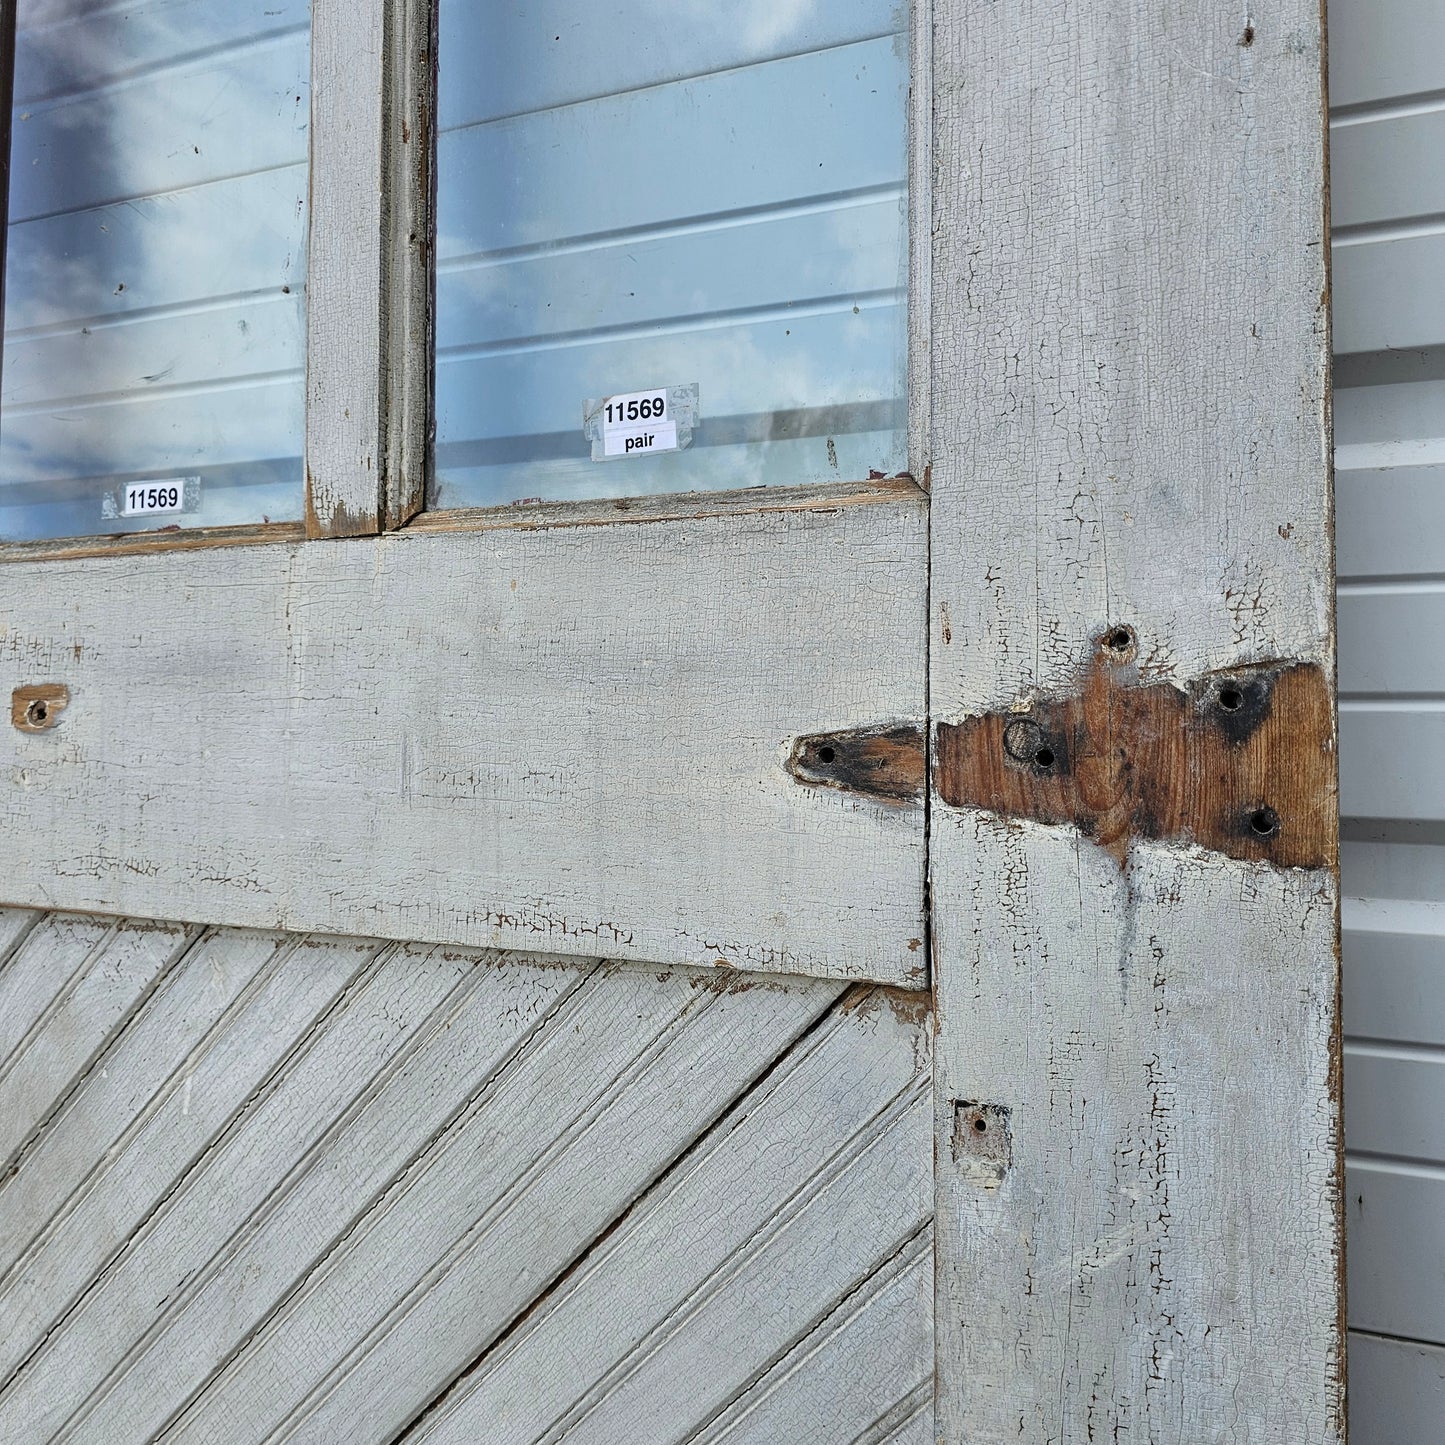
{"points": [[154, 266], [671, 246]]}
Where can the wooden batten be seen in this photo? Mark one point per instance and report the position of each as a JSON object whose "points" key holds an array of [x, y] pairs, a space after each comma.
{"points": [[1132, 826]]}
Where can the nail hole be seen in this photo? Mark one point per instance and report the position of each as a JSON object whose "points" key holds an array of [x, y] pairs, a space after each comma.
{"points": [[37, 712], [1248, 37], [1264, 822], [1119, 639], [1231, 699], [826, 754], [1044, 757]]}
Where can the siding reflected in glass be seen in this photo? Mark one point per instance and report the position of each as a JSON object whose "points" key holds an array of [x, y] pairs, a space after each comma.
{"points": [[155, 265], [650, 194]]}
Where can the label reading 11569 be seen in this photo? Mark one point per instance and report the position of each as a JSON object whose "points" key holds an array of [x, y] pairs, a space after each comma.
{"points": [[145, 499], [637, 422]]}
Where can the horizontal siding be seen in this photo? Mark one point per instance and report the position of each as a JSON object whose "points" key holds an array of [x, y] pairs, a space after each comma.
{"points": [[1395, 1215], [1387, 90], [1397, 1391], [1372, 539], [1381, 50], [1392, 1100], [1383, 169], [1394, 980]]}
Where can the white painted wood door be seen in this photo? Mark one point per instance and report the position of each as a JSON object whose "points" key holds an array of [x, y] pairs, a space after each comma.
{"points": [[547, 944]]}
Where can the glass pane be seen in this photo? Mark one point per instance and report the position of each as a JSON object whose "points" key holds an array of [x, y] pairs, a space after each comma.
{"points": [[155, 260], [642, 197]]}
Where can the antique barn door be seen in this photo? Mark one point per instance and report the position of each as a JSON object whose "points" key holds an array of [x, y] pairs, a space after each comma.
{"points": [[582, 600]]}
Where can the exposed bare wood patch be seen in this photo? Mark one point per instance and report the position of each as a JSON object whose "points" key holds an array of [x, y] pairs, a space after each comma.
{"points": [[129, 544], [36, 708], [688, 506], [883, 762], [982, 1142], [1241, 762]]}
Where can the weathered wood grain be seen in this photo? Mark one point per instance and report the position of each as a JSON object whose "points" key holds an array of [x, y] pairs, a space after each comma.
{"points": [[172, 1030], [867, 1358], [839, 1113], [369, 320], [346, 278], [105, 1229], [38, 1074], [47, 959], [606, 1093], [1129, 314], [346, 1190], [572, 740]]}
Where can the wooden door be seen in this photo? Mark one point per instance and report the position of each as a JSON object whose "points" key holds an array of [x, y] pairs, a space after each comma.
{"points": [[564, 903]]}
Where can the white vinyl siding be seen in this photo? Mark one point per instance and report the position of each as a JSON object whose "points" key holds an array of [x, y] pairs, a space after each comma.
{"points": [[1387, 84]]}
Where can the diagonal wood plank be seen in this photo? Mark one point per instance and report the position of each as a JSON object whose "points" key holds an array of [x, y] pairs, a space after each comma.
{"points": [[332, 1189], [870, 1359], [89, 1254], [333, 1137], [38, 1074], [704, 1224], [15, 924], [587, 1117], [173, 1029], [49, 959], [709, 1354]]}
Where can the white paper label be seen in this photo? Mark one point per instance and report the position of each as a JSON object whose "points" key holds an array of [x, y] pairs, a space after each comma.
{"points": [[625, 441], [634, 423], [150, 498], [637, 422]]}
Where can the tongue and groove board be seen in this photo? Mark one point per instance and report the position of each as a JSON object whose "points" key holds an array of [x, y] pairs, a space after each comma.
{"points": [[318, 1189]]}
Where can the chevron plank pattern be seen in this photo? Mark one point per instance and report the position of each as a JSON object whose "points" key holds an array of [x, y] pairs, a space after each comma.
{"points": [[265, 1187]]}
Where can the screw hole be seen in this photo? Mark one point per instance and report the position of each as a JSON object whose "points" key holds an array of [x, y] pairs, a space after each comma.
{"points": [[37, 712], [1119, 639], [826, 754], [1044, 757], [1264, 822], [981, 1125], [1231, 699]]}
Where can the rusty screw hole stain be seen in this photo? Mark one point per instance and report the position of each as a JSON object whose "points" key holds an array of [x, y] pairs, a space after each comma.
{"points": [[982, 1143], [37, 708], [884, 763], [1264, 822]]}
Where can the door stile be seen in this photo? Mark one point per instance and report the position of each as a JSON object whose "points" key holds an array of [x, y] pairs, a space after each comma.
{"points": [[1133, 818]]}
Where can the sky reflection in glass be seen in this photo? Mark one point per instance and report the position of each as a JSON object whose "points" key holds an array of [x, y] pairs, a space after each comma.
{"points": [[653, 193], [154, 324]]}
